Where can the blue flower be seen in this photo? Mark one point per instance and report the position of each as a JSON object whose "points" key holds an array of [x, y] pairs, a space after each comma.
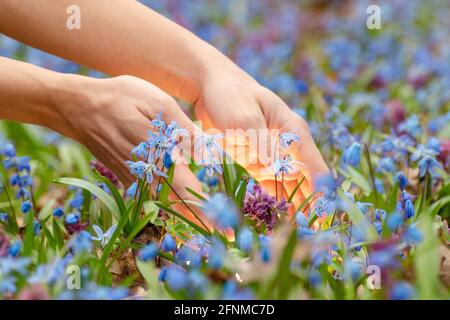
{"points": [[82, 242], [4, 217], [58, 212], [141, 169], [412, 235], [265, 243], [211, 165], [427, 165], [158, 123], [211, 181], [103, 237], [15, 248], [386, 165], [148, 252], [8, 150], [131, 191], [283, 166], [402, 291], [8, 285], [324, 206], [189, 257], [222, 211], [21, 180], [245, 240], [315, 279], [434, 144], [409, 209], [210, 143], [72, 218], [36, 227], [394, 221], [402, 180], [9, 264], [197, 281], [78, 201], [168, 243], [22, 193], [378, 226], [301, 219], [352, 155], [363, 206], [162, 276], [380, 214], [176, 277], [423, 152], [216, 256], [326, 184], [411, 126], [231, 291], [26, 206], [385, 257], [141, 150], [287, 138], [167, 160], [352, 269]]}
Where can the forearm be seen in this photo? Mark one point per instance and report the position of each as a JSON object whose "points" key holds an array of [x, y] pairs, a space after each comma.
{"points": [[117, 37], [34, 95]]}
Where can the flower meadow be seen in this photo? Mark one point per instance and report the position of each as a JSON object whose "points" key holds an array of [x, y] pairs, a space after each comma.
{"points": [[375, 227]]}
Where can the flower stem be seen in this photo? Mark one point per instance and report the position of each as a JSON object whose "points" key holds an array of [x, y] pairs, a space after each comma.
{"points": [[186, 205]]}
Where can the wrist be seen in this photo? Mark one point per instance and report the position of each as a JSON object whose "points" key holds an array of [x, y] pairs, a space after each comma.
{"points": [[72, 96]]}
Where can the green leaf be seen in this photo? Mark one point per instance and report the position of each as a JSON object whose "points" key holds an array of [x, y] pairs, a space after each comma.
{"points": [[195, 194], [115, 193], [57, 233], [29, 235], [165, 189], [139, 226], [109, 247], [427, 259], [229, 176], [240, 193], [356, 177], [107, 200], [283, 274], [151, 210], [183, 218], [358, 218], [46, 210], [142, 187], [296, 189]]}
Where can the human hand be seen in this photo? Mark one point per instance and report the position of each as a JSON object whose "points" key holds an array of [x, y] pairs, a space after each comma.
{"points": [[111, 116], [233, 100]]}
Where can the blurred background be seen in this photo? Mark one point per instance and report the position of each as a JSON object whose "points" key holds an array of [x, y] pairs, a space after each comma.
{"points": [[318, 55]]}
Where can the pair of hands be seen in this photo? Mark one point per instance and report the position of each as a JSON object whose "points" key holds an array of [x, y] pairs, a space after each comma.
{"points": [[114, 116]]}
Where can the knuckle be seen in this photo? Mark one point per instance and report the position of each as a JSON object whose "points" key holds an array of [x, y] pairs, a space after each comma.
{"points": [[302, 124]]}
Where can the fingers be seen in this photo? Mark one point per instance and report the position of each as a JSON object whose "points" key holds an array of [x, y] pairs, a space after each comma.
{"points": [[280, 116]]}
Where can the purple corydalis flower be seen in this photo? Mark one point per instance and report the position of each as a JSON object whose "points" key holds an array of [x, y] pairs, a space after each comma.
{"points": [[396, 112], [262, 207], [105, 172], [4, 244]]}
